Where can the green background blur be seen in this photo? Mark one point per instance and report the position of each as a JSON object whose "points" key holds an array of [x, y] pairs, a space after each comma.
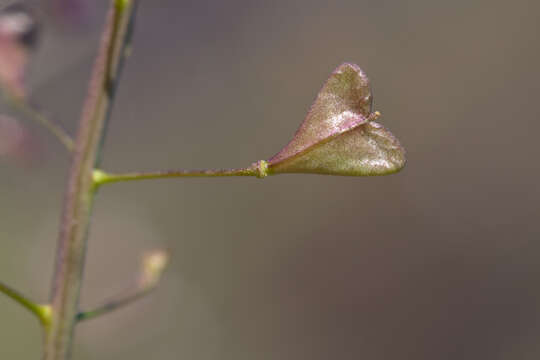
{"points": [[441, 261]]}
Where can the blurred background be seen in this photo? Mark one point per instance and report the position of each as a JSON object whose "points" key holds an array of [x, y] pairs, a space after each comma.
{"points": [[440, 261]]}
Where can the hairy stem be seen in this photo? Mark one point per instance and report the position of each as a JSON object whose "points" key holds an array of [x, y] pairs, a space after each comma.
{"points": [[80, 189]]}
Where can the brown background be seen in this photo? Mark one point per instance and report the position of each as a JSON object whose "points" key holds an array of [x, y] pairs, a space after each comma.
{"points": [[441, 261]]}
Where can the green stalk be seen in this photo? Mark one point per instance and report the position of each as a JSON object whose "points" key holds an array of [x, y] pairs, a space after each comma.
{"points": [[259, 169], [42, 312]]}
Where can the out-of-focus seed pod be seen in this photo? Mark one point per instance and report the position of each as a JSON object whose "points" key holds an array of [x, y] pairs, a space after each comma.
{"points": [[19, 33], [153, 265], [19, 21]]}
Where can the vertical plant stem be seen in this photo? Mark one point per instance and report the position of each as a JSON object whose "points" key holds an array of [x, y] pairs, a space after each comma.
{"points": [[80, 188]]}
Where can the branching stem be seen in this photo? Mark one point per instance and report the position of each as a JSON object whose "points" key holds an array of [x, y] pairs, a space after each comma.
{"points": [[258, 169], [113, 304], [25, 108], [152, 268], [80, 189], [42, 312]]}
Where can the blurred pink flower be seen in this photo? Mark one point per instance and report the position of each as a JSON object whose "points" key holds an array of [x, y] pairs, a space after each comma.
{"points": [[18, 36]]}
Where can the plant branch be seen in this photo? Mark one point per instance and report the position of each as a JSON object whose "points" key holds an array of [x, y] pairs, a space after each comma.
{"points": [[258, 169], [42, 312], [24, 107], [114, 304], [151, 270], [80, 189]]}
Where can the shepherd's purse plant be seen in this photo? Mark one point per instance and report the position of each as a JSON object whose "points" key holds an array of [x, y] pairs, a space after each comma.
{"points": [[339, 136]]}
